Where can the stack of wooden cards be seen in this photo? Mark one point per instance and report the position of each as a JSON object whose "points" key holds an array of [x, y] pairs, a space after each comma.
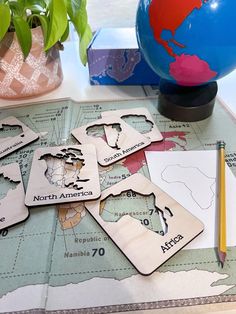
{"points": [[122, 139], [68, 174], [146, 249], [12, 195], [12, 200]]}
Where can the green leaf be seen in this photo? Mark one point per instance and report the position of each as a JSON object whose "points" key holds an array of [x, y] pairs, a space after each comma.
{"points": [[32, 3], [44, 22], [23, 34], [35, 8], [16, 8], [78, 15], [57, 22], [84, 42], [66, 33], [5, 19]]}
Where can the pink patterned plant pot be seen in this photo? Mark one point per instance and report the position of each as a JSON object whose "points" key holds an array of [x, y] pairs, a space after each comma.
{"points": [[40, 73]]}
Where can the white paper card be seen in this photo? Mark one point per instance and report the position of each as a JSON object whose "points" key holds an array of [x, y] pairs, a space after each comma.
{"points": [[190, 178]]}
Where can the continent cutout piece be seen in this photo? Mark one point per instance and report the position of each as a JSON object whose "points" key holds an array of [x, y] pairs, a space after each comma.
{"points": [[13, 135], [98, 131], [63, 174], [12, 196], [63, 169], [203, 194], [124, 142], [138, 118], [145, 249], [136, 206]]}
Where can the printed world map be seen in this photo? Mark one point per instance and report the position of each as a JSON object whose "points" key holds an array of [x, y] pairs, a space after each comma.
{"points": [[61, 250]]}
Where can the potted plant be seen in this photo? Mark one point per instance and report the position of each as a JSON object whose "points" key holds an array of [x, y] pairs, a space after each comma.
{"points": [[31, 33]]}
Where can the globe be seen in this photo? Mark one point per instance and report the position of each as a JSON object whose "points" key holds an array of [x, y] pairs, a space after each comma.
{"points": [[188, 42]]}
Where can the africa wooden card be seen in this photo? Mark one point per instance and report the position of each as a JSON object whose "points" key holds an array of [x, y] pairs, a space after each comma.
{"points": [[63, 174], [139, 116], [12, 196], [145, 248], [126, 139], [9, 144]]}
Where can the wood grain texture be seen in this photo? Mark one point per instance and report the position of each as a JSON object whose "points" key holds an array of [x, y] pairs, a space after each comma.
{"points": [[12, 207], [128, 141], [63, 174], [154, 134], [146, 249], [11, 144]]}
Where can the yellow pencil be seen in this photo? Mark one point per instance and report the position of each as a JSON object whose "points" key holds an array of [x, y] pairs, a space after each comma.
{"points": [[221, 204]]}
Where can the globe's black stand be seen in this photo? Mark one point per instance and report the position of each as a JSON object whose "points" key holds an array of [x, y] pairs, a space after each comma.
{"points": [[186, 103]]}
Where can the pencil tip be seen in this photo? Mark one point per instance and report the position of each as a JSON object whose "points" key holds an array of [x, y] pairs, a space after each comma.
{"points": [[222, 256]]}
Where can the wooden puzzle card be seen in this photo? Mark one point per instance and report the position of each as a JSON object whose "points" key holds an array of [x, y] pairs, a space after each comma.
{"points": [[12, 196], [63, 174], [126, 140], [24, 136], [146, 249], [140, 116]]}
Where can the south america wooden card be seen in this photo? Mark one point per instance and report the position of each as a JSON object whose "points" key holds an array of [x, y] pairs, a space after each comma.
{"points": [[127, 140], [135, 113], [145, 248]]}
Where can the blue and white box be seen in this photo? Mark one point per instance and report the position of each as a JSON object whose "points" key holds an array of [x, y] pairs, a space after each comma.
{"points": [[115, 59]]}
